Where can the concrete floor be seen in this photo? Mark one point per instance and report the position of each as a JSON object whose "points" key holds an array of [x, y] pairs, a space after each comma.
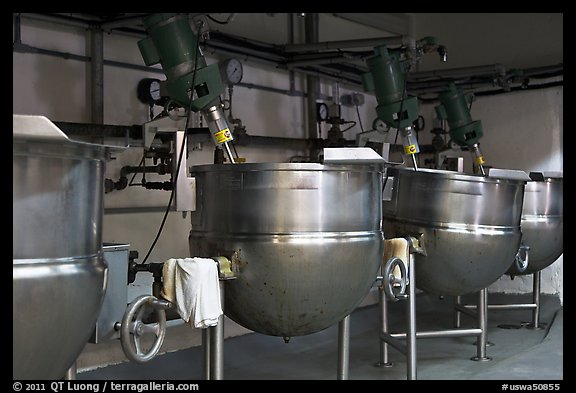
{"points": [[518, 354]]}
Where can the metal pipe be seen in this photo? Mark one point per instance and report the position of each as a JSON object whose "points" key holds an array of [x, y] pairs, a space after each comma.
{"points": [[71, 373], [17, 28], [411, 321], [291, 76], [217, 343], [442, 333], [457, 316], [344, 348], [483, 326], [459, 72], [133, 19], [291, 92], [206, 357], [394, 342], [97, 75], [383, 362], [521, 306], [311, 36], [536, 283], [131, 210], [357, 43], [465, 309], [57, 19]]}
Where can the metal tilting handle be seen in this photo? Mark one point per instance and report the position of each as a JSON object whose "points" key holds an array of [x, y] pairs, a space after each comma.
{"points": [[132, 328], [522, 263], [394, 287]]}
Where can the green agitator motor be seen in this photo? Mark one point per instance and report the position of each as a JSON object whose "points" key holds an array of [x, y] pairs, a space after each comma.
{"points": [[387, 79], [454, 107], [172, 43]]}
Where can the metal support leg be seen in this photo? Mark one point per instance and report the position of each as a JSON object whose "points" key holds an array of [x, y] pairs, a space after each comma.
{"points": [[383, 362], [536, 282], [483, 325], [71, 373], [206, 346], [343, 348], [217, 344], [411, 322], [457, 315]]}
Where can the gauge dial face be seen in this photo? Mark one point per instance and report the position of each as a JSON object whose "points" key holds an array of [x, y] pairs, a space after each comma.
{"points": [[155, 90], [322, 111], [234, 71]]}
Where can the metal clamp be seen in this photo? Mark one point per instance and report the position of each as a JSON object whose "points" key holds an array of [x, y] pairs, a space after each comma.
{"points": [[522, 263], [132, 328], [394, 287]]}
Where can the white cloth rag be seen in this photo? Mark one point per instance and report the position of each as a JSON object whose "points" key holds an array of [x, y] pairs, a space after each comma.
{"points": [[397, 247], [192, 285]]}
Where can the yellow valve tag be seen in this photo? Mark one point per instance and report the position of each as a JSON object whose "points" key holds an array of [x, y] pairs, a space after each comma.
{"points": [[410, 149], [223, 136], [480, 160]]}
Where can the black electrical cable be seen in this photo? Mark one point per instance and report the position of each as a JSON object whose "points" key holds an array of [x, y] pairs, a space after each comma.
{"points": [[179, 158], [359, 119], [134, 175]]}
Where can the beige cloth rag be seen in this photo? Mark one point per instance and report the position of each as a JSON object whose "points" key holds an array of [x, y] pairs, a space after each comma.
{"points": [[397, 247], [192, 285]]}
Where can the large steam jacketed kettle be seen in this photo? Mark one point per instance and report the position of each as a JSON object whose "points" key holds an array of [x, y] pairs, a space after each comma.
{"points": [[58, 266]]}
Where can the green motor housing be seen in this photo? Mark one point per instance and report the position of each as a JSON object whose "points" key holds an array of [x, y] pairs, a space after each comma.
{"points": [[454, 108], [172, 43], [387, 79]]}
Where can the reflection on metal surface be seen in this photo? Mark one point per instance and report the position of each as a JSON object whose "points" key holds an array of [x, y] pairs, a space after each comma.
{"points": [[542, 223], [470, 226], [59, 273], [308, 237]]}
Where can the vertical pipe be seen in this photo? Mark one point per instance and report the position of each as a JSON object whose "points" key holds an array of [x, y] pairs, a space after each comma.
{"points": [[383, 362], [71, 373], [481, 341], [217, 344], [457, 315], [17, 29], [411, 321], [344, 348], [291, 41], [536, 283], [206, 358], [311, 35], [97, 75]]}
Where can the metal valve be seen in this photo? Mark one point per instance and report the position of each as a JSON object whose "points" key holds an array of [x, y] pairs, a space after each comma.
{"points": [[522, 262], [394, 287], [133, 328]]}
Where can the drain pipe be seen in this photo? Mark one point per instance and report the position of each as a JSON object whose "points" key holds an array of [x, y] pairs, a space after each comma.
{"points": [[311, 36], [97, 74]]}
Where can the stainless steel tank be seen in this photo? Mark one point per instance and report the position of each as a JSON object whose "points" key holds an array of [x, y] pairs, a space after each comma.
{"points": [[542, 222], [58, 269], [309, 238], [470, 226]]}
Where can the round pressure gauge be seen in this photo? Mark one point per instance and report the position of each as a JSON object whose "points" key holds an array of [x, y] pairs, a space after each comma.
{"points": [[149, 91], [232, 71], [322, 111]]}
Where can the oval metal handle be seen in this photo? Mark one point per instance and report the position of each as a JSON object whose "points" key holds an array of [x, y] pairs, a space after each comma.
{"points": [[132, 328], [522, 263], [390, 282]]}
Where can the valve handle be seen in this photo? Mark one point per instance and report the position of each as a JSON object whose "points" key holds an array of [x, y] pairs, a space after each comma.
{"points": [[394, 287], [132, 328], [522, 263]]}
